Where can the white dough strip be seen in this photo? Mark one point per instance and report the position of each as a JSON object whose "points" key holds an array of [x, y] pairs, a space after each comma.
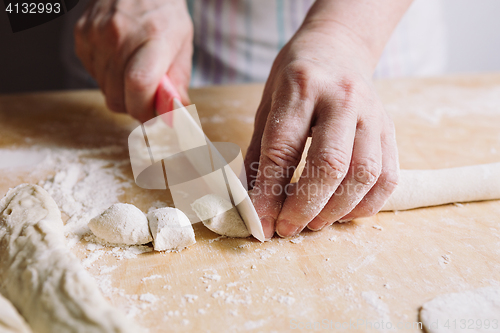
{"points": [[424, 188]]}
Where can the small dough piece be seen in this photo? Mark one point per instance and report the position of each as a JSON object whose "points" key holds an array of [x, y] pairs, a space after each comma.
{"points": [[122, 224], [171, 229], [41, 276], [424, 188], [10, 320], [474, 306], [220, 216]]}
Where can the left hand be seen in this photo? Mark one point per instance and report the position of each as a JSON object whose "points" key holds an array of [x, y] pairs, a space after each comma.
{"points": [[321, 86]]}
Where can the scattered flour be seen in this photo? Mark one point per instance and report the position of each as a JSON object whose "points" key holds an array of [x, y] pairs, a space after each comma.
{"points": [[148, 297], [214, 277], [190, 298], [378, 305], [297, 240], [155, 276], [83, 186]]}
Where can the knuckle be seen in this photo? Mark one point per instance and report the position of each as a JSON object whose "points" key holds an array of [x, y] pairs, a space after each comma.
{"points": [[332, 162], [112, 30], [298, 75], [366, 171], [115, 105], [152, 28], [347, 93], [138, 80], [389, 180]]}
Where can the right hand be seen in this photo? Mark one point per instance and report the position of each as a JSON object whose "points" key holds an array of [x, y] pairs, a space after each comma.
{"points": [[129, 45]]}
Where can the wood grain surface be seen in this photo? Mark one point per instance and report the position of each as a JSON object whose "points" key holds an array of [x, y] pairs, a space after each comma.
{"points": [[348, 273]]}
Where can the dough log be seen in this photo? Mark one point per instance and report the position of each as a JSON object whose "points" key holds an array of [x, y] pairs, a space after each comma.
{"points": [[423, 188], [10, 320], [41, 277]]}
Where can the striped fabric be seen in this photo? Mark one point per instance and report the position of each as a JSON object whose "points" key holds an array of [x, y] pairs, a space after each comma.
{"points": [[237, 40]]}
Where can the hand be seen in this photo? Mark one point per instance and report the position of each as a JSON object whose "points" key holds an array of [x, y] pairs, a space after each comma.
{"points": [[321, 86], [128, 45]]}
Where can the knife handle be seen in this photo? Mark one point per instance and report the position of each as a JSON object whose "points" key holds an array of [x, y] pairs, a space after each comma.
{"points": [[165, 100], [165, 96]]}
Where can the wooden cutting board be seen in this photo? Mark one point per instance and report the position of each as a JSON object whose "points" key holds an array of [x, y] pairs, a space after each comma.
{"points": [[368, 271]]}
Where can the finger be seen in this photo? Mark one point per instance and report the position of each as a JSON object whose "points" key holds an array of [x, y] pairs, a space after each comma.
{"points": [[115, 87], [252, 156], [180, 71], [143, 73], [386, 183], [326, 165], [364, 170], [82, 43], [283, 140]]}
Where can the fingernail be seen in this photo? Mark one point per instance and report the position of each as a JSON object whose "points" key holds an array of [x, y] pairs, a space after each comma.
{"points": [[314, 228], [268, 226], [286, 229], [346, 220]]}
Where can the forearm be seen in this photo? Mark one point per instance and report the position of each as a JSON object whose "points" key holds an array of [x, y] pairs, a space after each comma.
{"points": [[368, 24]]}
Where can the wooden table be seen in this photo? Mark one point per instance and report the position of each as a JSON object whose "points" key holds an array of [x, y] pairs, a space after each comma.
{"points": [[349, 272]]}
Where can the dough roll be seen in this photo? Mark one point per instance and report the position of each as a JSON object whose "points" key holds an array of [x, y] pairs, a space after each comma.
{"points": [[40, 275], [423, 188]]}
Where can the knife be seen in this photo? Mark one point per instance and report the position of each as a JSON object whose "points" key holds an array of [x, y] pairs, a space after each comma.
{"points": [[168, 99]]}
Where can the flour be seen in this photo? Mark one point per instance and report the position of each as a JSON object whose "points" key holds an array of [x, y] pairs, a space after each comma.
{"points": [[148, 297], [220, 216], [378, 305], [190, 298], [21, 158], [83, 186], [122, 224], [297, 240]]}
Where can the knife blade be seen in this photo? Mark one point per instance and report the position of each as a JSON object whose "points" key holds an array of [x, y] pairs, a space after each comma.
{"points": [[168, 99]]}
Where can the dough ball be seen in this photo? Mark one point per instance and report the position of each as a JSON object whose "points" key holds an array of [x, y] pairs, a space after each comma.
{"points": [[171, 229], [480, 305], [122, 224], [220, 216]]}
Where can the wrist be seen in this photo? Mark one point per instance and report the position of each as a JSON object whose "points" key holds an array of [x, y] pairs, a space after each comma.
{"points": [[341, 45]]}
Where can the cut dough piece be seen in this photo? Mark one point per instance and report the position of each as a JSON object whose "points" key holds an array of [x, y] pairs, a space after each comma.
{"points": [[423, 188], [122, 224], [468, 311], [41, 276], [171, 229], [220, 216], [10, 320]]}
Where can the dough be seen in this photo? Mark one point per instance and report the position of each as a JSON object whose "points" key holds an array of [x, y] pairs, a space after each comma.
{"points": [[171, 229], [220, 216], [476, 308], [10, 320], [41, 277], [423, 188], [122, 224]]}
